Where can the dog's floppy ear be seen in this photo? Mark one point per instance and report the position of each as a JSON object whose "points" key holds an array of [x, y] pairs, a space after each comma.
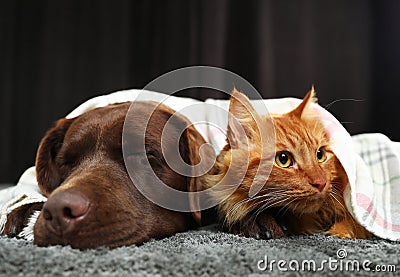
{"points": [[47, 171], [193, 141]]}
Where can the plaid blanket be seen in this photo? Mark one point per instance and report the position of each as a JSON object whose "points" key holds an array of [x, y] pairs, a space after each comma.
{"points": [[374, 198], [371, 161], [372, 165]]}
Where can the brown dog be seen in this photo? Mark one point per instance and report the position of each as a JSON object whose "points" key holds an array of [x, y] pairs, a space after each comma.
{"points": [[92, 201]]}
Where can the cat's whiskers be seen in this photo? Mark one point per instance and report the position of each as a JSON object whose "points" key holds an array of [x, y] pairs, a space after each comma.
{"points": [[335, 192], [265, 203], [269, 197], [236, 207], [285, 208], [332, 199], [343, 209], [272, 202], [264, 195], [270, 193], [280, 192], [346, 216]]}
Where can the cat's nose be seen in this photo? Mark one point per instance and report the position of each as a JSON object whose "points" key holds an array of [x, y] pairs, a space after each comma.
{"points": [[319, 184]]}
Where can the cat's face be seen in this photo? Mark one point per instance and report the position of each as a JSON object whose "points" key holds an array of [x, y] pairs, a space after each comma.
{"points": [[305, 177], [306, 174]]}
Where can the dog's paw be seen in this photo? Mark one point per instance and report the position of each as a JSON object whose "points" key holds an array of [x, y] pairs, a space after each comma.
{"points": [[18, 218]]}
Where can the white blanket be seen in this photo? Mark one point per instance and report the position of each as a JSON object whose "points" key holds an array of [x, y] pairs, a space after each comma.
{"points": [[371, 161]]}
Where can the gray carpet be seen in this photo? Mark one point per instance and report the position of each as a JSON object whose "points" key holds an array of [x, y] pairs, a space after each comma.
{"points": [[204, 252]]}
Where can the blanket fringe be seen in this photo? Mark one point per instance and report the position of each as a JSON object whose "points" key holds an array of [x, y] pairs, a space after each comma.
{"points": [[15, 203], [27, 232]]}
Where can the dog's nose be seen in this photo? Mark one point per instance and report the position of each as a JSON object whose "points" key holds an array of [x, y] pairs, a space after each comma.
{"points": [[63, 210]]}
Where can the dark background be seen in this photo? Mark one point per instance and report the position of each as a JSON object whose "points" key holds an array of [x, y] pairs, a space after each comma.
{"points": [[56, 54]]}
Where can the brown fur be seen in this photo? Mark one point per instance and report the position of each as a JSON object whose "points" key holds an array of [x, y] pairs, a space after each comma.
{"points": [[306, 197], [84, 155]]}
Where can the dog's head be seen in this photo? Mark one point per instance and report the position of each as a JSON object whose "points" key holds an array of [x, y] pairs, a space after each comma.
{"points": [[92, 201]]}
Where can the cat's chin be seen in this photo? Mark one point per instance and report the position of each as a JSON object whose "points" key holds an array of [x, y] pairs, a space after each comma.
{"points": [[309, 208], [310, 205]]}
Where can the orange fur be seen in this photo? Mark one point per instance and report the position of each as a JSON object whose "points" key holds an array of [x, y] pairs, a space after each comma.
{"points": [[306, 197]]}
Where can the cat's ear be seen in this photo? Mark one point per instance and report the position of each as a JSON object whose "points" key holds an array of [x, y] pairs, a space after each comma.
{"points": [[242, 120], [301, 110]]}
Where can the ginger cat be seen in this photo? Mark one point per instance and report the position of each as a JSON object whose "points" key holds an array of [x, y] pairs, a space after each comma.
{"points": [[303, 192]]}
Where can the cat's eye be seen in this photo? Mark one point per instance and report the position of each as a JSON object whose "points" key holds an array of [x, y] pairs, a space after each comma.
{"points": [[321, 155], [284, 159]]}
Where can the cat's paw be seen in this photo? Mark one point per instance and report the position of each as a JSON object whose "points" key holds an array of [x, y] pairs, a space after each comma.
{"points": [[269, 227], [263, 226], [349, 229], [340, 234]]}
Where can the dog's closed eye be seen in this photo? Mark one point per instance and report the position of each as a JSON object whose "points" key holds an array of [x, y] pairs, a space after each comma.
{"points": [[61, 161], [154, 159], [68, 161]]}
